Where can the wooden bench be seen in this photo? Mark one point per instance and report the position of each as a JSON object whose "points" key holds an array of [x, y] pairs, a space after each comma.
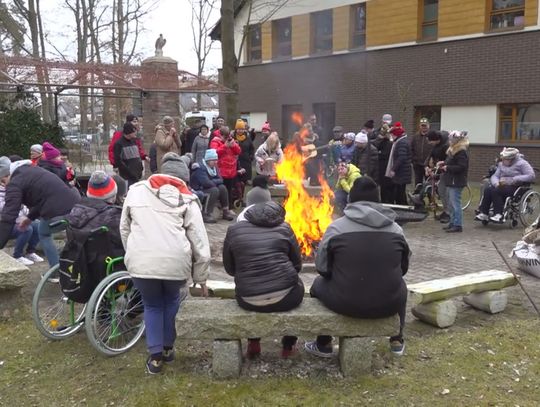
{"points": [[13, 277], [432, 300], [225, 323]]}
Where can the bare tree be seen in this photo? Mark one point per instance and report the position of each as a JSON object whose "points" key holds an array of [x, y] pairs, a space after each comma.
{"points": [[12, 31]]}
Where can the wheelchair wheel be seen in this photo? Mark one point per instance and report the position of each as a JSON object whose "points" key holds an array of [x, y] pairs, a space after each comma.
{"points": [[55, 316], [529, 208], [115, 315], [466, 197]]}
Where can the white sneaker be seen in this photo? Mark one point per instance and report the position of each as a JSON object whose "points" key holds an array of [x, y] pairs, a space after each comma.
{"points": [[25, 261], [481, 217], [34, 257], [497, 218]]}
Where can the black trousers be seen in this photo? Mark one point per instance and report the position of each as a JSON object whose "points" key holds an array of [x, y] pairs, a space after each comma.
{"points": [[229, 184], [387, 190], [419, 174], [399, 197], [497, 196]]}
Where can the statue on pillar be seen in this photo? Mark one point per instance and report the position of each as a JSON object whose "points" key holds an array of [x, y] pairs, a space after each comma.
{"points": [[160, 43]]}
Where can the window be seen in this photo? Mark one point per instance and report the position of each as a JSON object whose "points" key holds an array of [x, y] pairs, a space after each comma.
{"points": [[288, 125], [358, 25], [321, 31], [282, 38], [519, 122], [505, 14], [254, 41], [432, 113], [429, 19]]}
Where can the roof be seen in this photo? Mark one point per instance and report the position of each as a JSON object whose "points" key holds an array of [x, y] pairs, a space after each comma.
{"points": [[215, 34]]}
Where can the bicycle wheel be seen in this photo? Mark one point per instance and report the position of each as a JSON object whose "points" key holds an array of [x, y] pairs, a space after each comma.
{"points": [[466, 197], [55, 316], [529, 208], [115, 315]]}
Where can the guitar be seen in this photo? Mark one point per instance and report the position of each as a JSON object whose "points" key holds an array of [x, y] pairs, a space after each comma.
{"points": [[310, 150]]}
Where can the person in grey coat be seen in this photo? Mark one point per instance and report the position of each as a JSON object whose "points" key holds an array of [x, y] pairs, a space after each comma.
{"points": [[200, 144]]}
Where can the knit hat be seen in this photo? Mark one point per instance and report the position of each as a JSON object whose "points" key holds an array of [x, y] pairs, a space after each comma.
{"points": [[240, 125], [4, 166], [509, 153], [387, 118], [370, 124], [167, 119], [101, 186], [434, 135], [364, 189], [129, 128], [173, 164], [349, 136], [260, 181], [257, 195], [266, 127], [210, 154], [361, 138], [38, 148], [397, 129], [456, 135], [50, 152]]}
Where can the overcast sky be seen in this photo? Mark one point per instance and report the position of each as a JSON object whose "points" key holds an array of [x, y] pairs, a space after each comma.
{"points": [[172, 18]]}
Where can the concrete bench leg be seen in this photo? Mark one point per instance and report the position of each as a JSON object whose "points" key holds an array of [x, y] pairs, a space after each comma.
{"points": [[491, 302], [355, 355], [441, 314], [227, 358]]}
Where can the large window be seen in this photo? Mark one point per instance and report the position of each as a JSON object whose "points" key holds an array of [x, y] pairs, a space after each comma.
{"points": [[254, 43], [282, 38], [358, 25], [506, 14], [321, 31], [429, 11], [519, 122], [432, 113]]}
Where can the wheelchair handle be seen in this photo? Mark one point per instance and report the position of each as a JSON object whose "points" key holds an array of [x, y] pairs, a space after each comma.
{"points": [[61, 222], [101, 229]]}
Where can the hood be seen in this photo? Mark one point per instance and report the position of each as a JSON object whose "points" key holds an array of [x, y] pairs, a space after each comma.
{"points": [[170, 190], [267, 214], [86, 210], [370, 214], [16, 164]]}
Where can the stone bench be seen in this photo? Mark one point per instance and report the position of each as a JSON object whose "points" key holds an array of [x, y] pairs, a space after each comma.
{"points": [[433, 304], [225, 323], [13, 277]]}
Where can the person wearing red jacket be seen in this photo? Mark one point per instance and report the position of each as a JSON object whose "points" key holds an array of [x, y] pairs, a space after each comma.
{"points": [[130, 118], [228, 151]]}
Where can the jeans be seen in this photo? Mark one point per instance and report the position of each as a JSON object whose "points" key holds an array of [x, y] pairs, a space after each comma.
{"points": [[454, 203], [47, 243], [443, 194], [28, 237], [161, 300]]}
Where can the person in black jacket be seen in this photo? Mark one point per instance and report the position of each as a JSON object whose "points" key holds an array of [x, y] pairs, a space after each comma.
{"points": [[362, 259], [399, 168], [366, 156], [127, 157], [262, 254], [383, 143], [51, 162], [455, 169], [46, 195]]}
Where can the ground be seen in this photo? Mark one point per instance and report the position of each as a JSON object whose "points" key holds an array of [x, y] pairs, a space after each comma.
{"points": [[481, 360]]}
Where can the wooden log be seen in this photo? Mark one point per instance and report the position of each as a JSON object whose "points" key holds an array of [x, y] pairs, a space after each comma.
{"points": [[488, 301], [441, 314], [442, 289]]}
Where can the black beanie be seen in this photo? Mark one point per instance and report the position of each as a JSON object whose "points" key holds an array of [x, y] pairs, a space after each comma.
{"points": [[260, 181], [364, 189], [129, 128], [433, 135], [370, 124]]}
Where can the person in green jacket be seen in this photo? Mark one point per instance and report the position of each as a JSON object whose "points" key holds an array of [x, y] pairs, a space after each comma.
{"points": [[347, 174]]}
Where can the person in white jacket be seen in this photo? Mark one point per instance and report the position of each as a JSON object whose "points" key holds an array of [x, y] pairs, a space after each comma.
{"points": [[166, 245], [268, 155]]}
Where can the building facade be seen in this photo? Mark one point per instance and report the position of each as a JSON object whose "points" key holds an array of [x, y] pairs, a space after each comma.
{"points": [[464, 64]]}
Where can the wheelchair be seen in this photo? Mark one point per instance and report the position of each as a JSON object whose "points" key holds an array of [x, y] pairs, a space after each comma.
{"points": [[523, 206], [112, 317]]}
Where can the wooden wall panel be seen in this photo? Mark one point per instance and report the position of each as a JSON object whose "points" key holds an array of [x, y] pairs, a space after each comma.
{"points": [[391, 21], [266, 32], [301, 35], [461, 17], [531, 12], [342, 28]]}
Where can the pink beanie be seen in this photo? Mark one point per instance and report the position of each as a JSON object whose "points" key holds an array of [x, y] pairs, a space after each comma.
{"points": [[50, 152]]}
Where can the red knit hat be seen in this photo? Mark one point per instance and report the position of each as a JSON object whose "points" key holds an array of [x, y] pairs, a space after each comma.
{"points": [[49, 151], [101, 186], [397, 129]]}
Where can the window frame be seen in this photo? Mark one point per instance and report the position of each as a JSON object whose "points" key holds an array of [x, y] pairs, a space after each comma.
{"points": [[514, 120], [427, 111], [490, 12], [313, 17], [249, 46], [277, 45], [422, 23], [354, 32]]}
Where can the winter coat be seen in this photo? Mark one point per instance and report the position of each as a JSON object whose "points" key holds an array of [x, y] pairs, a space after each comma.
{"points": [[520, 172], [347, 152], [400, 161], [128, 160], [262, 154], [166, 141], [457, 165], [201, 178], [56, 167], [22, 213], [362, 259], [245, 159], [42, 192], [384, 147], [438, 152], [199, 147], [227, 157], [347, 182], [367, 161], [262, 252], [189, 139], [116, 136], [153, 158], [163, 232], [420, 149]]}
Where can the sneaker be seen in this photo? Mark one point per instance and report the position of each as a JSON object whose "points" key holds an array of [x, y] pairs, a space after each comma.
{"points": [[447, 227], [397, 346], [497, 218], [444, 217], [168, 355], [154, 366], [311, 347], [208, 218], [34, 257], [253, 349], [416, 199], [481, 217], [455, 229], [228, 214], [25, 261]]}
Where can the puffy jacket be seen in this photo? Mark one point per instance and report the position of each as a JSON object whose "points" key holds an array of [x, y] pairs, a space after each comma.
{"points": [[227, 157], [367, 161], [163, 232], [520, 172], [420, 149], [262, 154], [201, 178], [347, 152], [57, 167], [384, 147], [457, 165], [361, 259], [262, 252], [116, 136], [347, 182], [42, 192], [245, 159], [401, 161]]}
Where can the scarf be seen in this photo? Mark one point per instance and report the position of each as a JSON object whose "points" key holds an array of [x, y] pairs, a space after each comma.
{"points": [[240, 137], [211, 171]]}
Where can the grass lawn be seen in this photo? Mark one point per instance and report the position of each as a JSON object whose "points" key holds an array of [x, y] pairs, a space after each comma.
{"points": [[489, 365]]}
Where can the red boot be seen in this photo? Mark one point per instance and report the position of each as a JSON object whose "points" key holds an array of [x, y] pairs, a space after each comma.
{"points": [[253, 348]]}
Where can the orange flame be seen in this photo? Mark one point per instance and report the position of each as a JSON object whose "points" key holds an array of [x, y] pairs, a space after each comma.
{"points": [[309, 216]]}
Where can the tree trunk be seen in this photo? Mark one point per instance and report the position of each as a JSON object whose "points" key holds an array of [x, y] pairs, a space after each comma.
{"points": [[230, 62]]}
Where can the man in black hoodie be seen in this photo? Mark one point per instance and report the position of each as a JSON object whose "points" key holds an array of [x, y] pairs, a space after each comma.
{"points": [[361, 260], [126, 155]]}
